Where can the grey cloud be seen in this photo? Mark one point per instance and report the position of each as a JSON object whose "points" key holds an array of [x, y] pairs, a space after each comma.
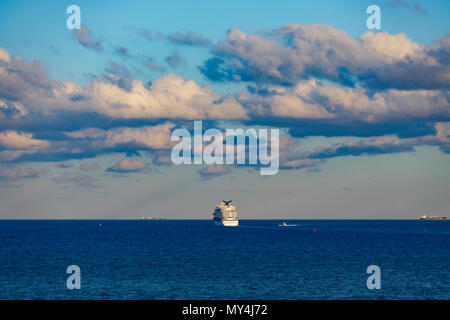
{"points": [[117, 74], [161, 157], [213, 171], [152, 65], [146, 33], [117, 69], [188, 38], [445, 148], [371, 146], [86, 39], [64, 165], [19, 76], [385, 144], [11, 174], [174, 60], [416, 6], [291, 157], [122, 51], [89, 167], [11, 110]]}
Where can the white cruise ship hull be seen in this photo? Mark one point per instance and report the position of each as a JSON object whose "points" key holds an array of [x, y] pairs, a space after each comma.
{"points": [[225, 223]]}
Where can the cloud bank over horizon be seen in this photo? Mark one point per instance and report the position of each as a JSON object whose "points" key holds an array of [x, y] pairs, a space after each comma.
{"points": [[385, 91]]}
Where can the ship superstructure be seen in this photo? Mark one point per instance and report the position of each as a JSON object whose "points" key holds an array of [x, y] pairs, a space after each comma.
{"points": [[226, 215]]}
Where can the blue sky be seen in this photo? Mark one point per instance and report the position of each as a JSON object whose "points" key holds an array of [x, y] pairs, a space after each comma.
{"points": [[85, 115]]}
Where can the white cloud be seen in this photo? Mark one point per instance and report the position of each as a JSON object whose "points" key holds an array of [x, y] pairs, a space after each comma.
{"points": [[314, 99], [149, 137], [300, 51], [10, 139]]}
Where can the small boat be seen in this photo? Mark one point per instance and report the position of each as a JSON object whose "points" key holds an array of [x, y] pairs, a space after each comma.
{"points": [[287, 225]]}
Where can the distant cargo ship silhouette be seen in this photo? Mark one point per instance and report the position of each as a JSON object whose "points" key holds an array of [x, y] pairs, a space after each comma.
{"points": [[425, 217]]}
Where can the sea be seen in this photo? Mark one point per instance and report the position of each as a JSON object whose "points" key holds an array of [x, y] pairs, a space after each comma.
{"points": [[193, 259]]}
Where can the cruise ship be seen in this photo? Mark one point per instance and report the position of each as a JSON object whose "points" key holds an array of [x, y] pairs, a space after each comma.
{"points": [[425, 217], [225, 215]]}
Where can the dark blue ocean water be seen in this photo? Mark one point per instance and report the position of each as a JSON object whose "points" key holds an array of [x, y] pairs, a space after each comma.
{"points": [[192, 259]]}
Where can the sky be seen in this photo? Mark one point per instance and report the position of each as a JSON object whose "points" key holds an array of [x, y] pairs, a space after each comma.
{"points": [[86, 115]]}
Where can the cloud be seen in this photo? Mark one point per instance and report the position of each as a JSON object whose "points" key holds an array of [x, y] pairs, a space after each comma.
{"points": [[213, 171], [378, 145], [89, 167], [64, 164], [114, 95], [89, 142], [50, 120], [419, 7], [174, 60], [149, 137], [293, 157], [151, 65], [385, 144], [5, 56], [17, 77], [314, 99], [416, 6], [161, 157], [118, 69], [298, 51], [146, 33], [129, 165], [188, 38], [441, 138], [311, 164], [10, 139], [170, 96], [117, 74], [86, 39], [122, 51], [10, 174], [11, 110]]}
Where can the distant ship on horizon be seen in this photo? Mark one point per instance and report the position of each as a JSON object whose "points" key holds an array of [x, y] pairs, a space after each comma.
{"points": [[287, 225], [226, 215], [425, 217]]}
